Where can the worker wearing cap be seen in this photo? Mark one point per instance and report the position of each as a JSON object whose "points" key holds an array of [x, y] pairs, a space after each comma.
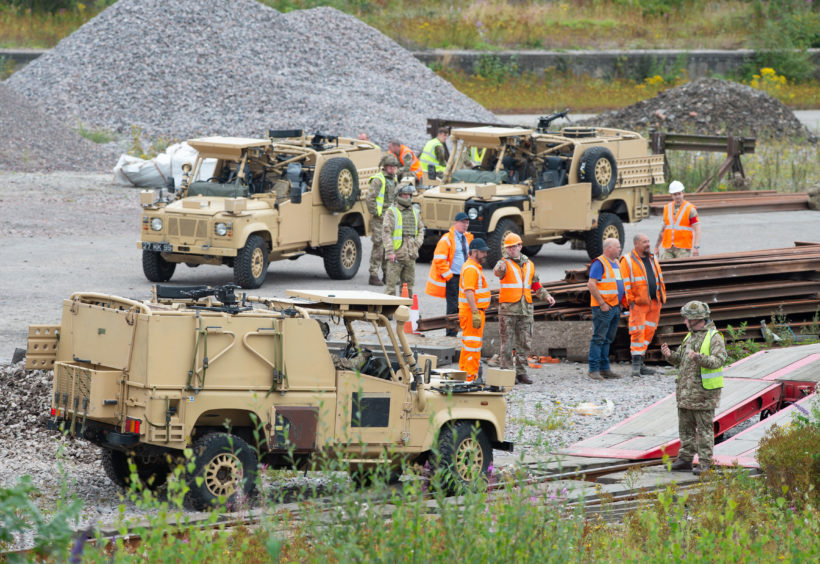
{"points": [[645, 294], [408, 161], [515, 310], [448, 258], [680, 234], [402, 235], [607, 293], [473, 300], [435, 153], [700, 360], [379, 197]]}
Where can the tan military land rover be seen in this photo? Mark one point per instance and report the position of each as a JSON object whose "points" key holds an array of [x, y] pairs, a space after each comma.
{"points": [[245, 202], [247, 378], [580, 183]]}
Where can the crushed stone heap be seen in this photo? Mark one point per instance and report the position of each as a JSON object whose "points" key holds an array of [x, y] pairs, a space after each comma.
{"points": [[708, 106], [196, 67], [33, 141]]}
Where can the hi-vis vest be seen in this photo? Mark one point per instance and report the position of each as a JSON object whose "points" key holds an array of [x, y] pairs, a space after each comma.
{"points": [[380, 197], [711, 378], [428, 155], [635, 279], [440, 269], [516, 282], [677, 230], [397, 227], [477, 155], [482, 292], [608, 285], [415, 166]]}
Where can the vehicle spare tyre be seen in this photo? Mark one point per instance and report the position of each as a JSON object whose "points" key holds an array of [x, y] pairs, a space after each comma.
{"points": [[598, 167], [339, 184]]}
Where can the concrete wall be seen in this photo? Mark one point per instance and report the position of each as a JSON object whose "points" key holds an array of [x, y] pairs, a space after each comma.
{"points": [[602, 64]]}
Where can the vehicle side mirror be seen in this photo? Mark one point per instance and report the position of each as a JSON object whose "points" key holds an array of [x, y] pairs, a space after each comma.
{"points": [[431, 172], [295, 194], [428, 367]]}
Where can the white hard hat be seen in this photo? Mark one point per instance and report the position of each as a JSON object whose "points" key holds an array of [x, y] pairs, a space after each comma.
{"points": [[676, 186]]}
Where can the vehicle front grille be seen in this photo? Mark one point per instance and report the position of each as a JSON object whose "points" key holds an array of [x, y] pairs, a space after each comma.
{"points": [[186, 227]]}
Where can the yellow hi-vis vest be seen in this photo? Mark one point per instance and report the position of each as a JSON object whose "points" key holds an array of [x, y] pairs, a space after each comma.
{"points": [[397, 228], [380, 197], [711, 378], [428, 155], [477, 155]]}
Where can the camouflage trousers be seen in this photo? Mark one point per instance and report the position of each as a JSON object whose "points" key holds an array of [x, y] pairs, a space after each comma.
{"points": [[674, 252], [697, 435], [377, 262], [516, 333], [398, 273]]}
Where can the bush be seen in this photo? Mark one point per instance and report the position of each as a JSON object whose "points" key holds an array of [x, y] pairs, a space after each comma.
{"points": [[790, 457]]}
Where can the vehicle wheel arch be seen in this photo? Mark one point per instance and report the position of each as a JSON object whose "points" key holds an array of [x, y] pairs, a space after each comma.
{"points": [[617, 207], [491, 426], [354, 220], [506, 212]]}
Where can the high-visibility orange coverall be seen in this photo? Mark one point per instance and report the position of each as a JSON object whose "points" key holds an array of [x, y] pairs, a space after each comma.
{"points": [[472, 278]]}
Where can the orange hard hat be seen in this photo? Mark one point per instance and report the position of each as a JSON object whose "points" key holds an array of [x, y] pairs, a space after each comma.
{"points": [[512, 239]]}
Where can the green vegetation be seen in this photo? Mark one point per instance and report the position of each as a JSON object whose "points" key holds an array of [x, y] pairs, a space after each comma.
{"points": [[95, 135]]}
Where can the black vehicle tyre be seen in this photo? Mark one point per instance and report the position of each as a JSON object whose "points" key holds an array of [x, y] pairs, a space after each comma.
{"points": [[152, 472], [156, 268], [251, 264], [598, 167], [115, 465], [343, 259], [609, 226], [426, 253], [532, 250], [464, 455], [224, 465], [339, 184], [496, 240]]}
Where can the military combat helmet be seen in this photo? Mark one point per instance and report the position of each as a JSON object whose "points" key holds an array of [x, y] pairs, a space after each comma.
{"points": [[695, 310], [407, 190], [389, 160]]}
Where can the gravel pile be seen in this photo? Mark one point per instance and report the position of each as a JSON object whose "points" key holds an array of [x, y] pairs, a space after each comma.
{"points": [[34, 141], [195, 67], [711, 107]]}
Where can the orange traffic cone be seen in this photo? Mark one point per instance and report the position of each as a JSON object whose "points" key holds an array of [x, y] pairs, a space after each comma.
{"points": [[412, 326], [404, 292]]}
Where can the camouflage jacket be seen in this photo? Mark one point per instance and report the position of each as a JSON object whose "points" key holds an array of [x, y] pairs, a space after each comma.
{"points": [[410, 245], [690, 392], [390, 189], [521, 307]]}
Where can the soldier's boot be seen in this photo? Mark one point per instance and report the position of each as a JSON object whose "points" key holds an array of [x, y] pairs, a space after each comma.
{"points": [[701, 469], [522, 379], [680, 465], [609, 375], [375, 280], [636, 365], [645, 370]]}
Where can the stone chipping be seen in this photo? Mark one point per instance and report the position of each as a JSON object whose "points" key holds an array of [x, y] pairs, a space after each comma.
{"points": [[196, 67], [708, 106]]}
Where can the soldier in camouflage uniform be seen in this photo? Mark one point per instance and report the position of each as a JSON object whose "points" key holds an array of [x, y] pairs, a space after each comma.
{"points": [[515, 310], [402, 236], [699, 383], [380, 196]]}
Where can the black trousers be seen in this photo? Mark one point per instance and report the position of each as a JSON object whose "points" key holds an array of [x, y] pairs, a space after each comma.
{"points": [[451, 294]]}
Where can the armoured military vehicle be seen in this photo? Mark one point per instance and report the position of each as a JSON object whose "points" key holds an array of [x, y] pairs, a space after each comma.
{"points": [[581, 183], [243, 378], [245, 202]]}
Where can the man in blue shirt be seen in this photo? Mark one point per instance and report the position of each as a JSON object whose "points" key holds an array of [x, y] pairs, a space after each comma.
{"points": [[607, 293]]}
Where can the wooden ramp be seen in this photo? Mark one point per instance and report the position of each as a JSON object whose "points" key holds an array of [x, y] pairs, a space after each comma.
{"points": [[756, 384]]}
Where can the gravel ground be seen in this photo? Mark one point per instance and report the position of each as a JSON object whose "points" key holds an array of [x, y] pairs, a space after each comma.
{"points": [[196, 67]]}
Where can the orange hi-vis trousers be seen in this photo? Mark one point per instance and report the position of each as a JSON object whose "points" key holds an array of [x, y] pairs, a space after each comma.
{"points": [[471, 339], [643, 321]]}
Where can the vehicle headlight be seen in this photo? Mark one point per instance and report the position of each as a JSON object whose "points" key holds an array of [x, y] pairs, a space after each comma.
{"points": [[472, 213], [221, 229], [156, 224]]}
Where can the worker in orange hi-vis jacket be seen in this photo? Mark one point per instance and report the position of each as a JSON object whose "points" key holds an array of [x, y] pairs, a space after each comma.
{"points": [[473, 300]]}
